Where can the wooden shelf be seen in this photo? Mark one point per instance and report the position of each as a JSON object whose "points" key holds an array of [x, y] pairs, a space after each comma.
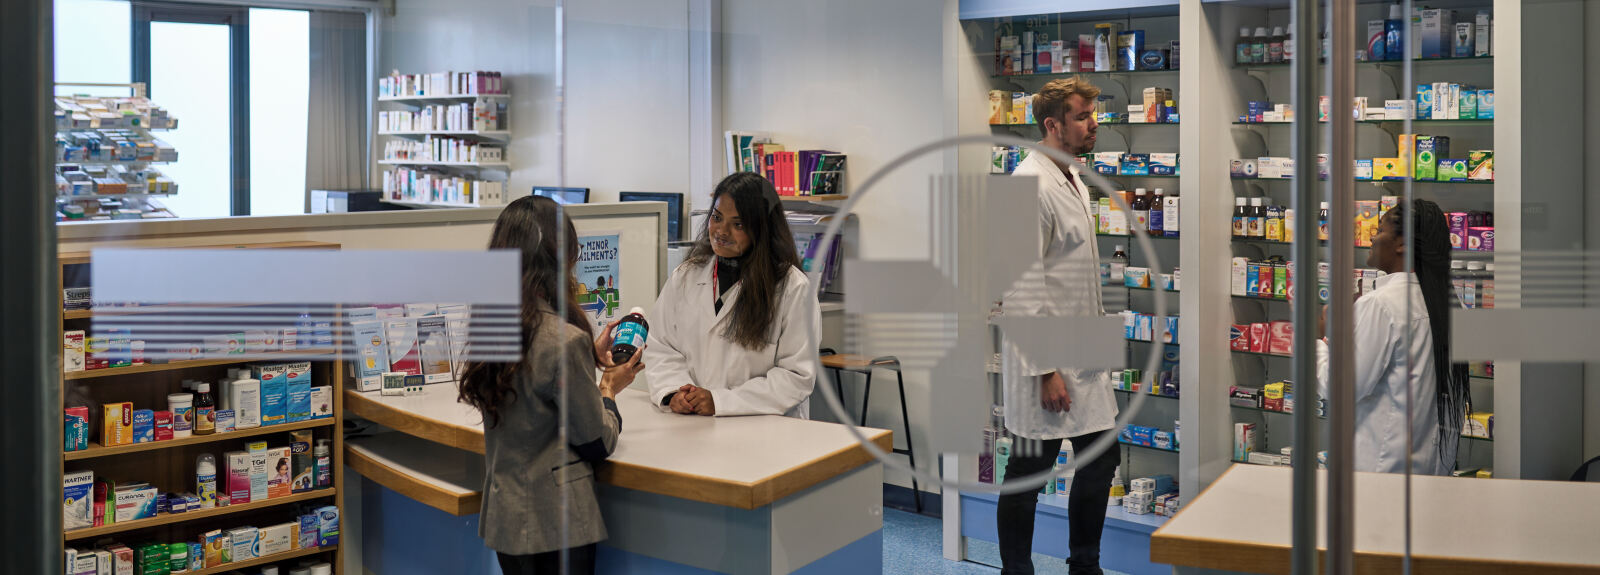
{"points": [[96, 450], [170, 518], [177, 365], [273, 558], [72, 258]]}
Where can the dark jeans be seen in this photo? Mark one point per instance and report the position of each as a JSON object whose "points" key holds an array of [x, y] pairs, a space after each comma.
{"points": [[1086, 506], [580, 561]]}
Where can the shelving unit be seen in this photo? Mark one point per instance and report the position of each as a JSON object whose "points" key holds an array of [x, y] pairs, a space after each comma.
{"points": [[169, 465], [143, 128], [477, 172]]}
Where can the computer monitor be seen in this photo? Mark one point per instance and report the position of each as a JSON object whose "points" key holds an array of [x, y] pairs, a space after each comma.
{"points": [[674, 208], [564, 196]]}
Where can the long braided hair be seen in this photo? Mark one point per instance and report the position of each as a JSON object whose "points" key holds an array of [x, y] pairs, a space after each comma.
{"points": [[1430, 250]]}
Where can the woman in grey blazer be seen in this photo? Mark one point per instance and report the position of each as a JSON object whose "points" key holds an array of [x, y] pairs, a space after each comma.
{"points": [[538, 494]]}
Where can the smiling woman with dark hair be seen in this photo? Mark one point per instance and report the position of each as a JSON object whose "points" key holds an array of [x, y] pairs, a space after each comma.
{"points": [[737, 322]]}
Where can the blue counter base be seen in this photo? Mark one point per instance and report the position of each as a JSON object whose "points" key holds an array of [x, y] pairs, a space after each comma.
{"points": [[400, 536], [1124, 545]]}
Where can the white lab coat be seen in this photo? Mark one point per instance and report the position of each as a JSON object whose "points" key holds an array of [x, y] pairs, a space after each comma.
{"points": [[1068, 284], [1381, 325], [686, 346]]}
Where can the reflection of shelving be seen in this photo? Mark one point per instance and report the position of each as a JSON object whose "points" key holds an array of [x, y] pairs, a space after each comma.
{"points": [[451, 164], [1130, 237], [169, 518], [273, 558], [1394, 181], [96, 450], [1036, 124], [1111, 73], [427, 204], [1378, 63], [1149, 447], [444, 98], [494, 134], [186, 364], [1426, 121]]}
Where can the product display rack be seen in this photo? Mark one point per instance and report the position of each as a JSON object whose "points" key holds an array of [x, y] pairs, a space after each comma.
{"points": [[169, 465], [475, 169], [136, 90]]}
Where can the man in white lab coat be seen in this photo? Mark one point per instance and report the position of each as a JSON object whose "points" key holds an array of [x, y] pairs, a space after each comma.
{"points": [[1043, 404]]}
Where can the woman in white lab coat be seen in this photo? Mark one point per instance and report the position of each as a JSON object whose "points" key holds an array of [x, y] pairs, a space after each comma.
{"points": [[1388, 331], [735, 328]]}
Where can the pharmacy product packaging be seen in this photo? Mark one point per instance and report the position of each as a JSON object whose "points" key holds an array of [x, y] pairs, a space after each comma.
{"points": [[1244, 440], [1457, 223], [1452, 170], [77, 500], [1437, 34], [404, 356], [1258, 337], [85, 563], [279, 472], [1136, 277], [1239, 337], [1366, 222], [144, 422], [226, 421], [216, 543], [1480, 239], [243, 540], [1238, 279], [237, 485], [1425, 102], [135, 502], [327, 526], [321, 402], [1163, 164], [1375, 40], [308, 530], [303, 472], [261, 468], [72, 349], [75, 428], [1429, 150], [163, 425], [275, 539], [433, 346], [1244, 397], [121, 559], [1480, 165], [1108, 162], [1138, 502], [116, 424], [244, 398], [1482, 42], [274, 392], [1466, 34], [1468, 103], [1398, 109], [1170, 219], [1479, 424], [298, 387], [373, 357], [1280, 338], [1485, 104]]}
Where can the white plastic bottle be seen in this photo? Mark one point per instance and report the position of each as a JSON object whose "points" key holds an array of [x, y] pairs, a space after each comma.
{"points": [[1102, 51], [205, 479], [244, 398]]}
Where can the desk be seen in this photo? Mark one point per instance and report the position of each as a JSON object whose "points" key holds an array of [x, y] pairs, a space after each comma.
{"points": [[1459, 526], [681, 494]]}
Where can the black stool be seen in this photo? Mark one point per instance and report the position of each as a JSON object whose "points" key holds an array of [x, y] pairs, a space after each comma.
{"points": [[863, 365]]}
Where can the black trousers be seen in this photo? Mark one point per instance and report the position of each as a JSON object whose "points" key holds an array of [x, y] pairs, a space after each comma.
{"points": [[1086, 507], [580, 561]]}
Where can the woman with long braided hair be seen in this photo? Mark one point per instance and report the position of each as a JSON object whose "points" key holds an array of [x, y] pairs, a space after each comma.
{"points": [[1402, 336]]}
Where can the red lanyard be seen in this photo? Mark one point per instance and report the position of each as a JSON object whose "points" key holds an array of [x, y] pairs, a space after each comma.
{"points": [[716, 294]]}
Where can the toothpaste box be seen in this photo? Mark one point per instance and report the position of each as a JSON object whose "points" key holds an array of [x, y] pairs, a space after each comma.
{"points": [[1163, 164], [76, 499], [72, 358], [117, 420], [327, 526], [135, 502], [238, 483], [276, 539], [298, 378], [309, 530], [144, 430], [244, 543], [75, 428], [274, 392]]}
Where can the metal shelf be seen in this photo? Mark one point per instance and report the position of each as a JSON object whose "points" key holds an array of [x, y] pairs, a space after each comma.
{"points": [[451, 164], [481, 134], [1377, 63], [442, 98]]}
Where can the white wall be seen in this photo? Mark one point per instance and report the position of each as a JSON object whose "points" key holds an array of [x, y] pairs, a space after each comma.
{"points": [[866, 79], [627, 88]]}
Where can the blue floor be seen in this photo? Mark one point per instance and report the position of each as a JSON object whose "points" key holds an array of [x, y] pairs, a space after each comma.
{"points": [[913, 544]]}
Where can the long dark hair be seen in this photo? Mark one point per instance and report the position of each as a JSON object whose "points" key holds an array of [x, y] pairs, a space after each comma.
{"points": [[764, 268], [528, 225], [1430, 254]]}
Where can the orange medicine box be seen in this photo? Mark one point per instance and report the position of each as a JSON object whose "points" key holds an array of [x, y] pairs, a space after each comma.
{"points": [[118, 424]]}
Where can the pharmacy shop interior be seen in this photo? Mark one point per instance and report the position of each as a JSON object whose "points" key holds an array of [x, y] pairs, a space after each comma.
{"points": [[395, 287]]}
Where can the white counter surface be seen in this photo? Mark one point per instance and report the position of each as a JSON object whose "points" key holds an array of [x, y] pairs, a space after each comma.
{"points": [[744, 462], [1242, 523]]}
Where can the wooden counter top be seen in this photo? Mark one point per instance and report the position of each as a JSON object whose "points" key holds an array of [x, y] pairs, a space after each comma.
{"points": [[742, 462], [1459, 526]]}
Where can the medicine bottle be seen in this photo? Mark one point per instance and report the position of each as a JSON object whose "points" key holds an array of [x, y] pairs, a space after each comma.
{"points": [[630, 336], [205, 411]]}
